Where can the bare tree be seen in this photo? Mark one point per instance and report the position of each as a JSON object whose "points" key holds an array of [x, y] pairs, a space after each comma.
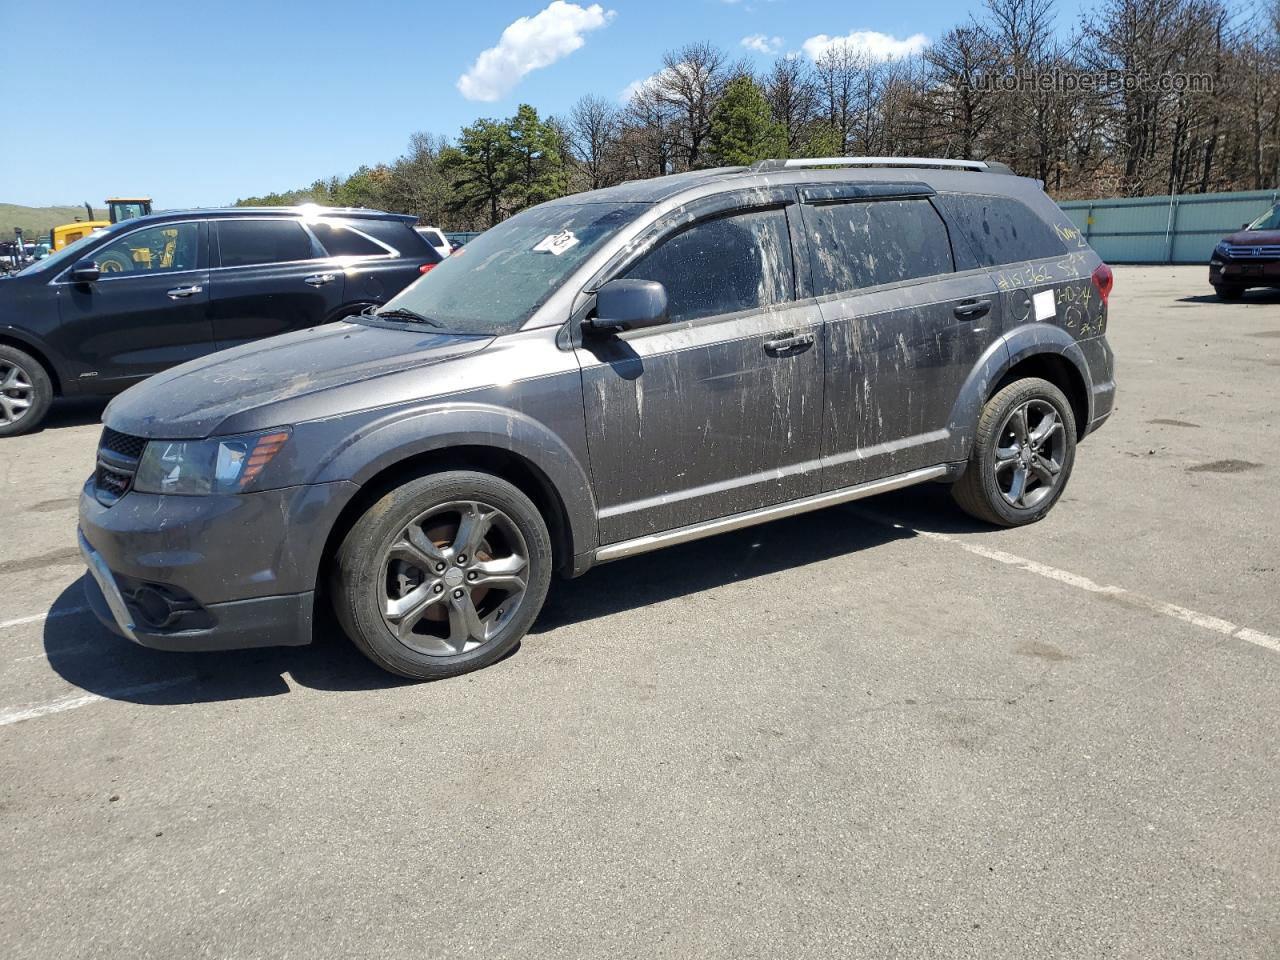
{"points": [[593, 127], [690, 82], [792, 93]]}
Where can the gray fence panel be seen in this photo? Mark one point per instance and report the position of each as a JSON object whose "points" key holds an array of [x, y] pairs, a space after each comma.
{"points": [[1181, 229]]}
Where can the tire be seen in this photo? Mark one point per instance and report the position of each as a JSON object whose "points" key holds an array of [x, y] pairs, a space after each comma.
{"points": [[988, 488], [115, 262], [26, 391], [1228, 291], [382, 566]]}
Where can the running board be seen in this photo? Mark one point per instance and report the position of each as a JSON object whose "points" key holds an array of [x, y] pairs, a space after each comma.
{"points": [[707, 528]]}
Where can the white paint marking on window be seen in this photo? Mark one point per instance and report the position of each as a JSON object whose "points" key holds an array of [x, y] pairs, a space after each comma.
{"points": [[37, 617], [1202, 620], [74, 701]]}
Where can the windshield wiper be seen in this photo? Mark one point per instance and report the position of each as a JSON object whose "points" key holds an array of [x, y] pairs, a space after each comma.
{"points": [[403, 313]]}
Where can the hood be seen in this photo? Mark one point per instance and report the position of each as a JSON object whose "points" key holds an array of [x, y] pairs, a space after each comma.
{"points": [[191, 400], [1254, 238]]}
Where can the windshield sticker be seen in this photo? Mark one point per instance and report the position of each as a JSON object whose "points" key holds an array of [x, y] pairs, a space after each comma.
{"points": [[556, 243]]}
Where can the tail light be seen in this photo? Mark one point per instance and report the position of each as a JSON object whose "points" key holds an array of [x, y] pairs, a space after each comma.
{"points": [[1103, 279], [426, 268]]}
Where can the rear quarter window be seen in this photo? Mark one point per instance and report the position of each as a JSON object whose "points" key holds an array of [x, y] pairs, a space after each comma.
{"points": [[997, 230], [401, 237], [341, 240]]}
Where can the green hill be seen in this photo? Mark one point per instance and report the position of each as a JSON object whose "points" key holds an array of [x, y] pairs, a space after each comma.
{"points": [[36, 221]]}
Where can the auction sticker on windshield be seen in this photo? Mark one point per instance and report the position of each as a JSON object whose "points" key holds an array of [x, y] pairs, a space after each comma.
{"points": [[557, 243]]}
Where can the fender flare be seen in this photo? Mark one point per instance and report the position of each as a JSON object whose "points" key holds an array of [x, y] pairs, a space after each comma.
{"points": [[401, 435], [1024, 341]]}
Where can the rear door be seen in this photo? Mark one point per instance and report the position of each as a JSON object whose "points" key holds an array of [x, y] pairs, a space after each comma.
{"points": [[904, 329], [148, 310], [718, 411], [272, 276]]}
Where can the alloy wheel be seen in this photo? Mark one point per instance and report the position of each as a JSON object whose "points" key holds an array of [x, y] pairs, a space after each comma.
{"points": [[16, 393], [1029, 456], [453, 577]]}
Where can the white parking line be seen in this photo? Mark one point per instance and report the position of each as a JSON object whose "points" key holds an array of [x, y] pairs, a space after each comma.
{"points": [[37, 617], [1202, 620], [74, 701]]}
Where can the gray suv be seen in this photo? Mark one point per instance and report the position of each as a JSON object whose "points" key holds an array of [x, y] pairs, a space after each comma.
{"points": [[597, 377]]}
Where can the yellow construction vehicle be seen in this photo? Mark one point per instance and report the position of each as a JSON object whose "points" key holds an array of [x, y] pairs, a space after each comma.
{"points": [[118, 209]]}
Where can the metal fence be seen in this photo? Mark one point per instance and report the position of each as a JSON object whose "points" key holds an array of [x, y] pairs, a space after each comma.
{"points": [[461, 237], [1178, 229]]}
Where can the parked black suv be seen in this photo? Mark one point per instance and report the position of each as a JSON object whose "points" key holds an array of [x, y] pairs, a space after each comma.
{"points": [[148, 293], [596, 377], [1248, 258]]}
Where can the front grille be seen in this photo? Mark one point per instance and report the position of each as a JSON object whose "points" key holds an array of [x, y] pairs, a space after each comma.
{"points": [[1270, 251], [122, 443], [118, 455]]}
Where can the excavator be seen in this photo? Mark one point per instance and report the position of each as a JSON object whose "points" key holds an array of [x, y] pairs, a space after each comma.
{"points": [[118, 209]]}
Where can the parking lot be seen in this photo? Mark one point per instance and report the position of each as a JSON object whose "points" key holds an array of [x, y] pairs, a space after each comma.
{"points": [[880, 730]]}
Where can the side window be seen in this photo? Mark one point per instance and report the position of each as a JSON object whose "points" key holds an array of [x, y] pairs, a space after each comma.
{"points": [[719, 266], [243, 243], [163, 249], [863, 244], [342, 241], [998, 230]]}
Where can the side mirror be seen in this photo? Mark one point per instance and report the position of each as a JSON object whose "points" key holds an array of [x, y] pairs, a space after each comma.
{"points": [[85, 271], [629, 305], [1244, 226]]}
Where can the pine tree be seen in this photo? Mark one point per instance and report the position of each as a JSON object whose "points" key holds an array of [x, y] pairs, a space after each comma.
{"points": [[742, 127]]}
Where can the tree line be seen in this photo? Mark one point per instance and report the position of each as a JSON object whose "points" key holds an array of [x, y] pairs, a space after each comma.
{"points": [[1184, 97]]}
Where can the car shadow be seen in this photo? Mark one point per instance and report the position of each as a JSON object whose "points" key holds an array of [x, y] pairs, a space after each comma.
{"points": [[86, 654], [73, 412], [1263, 295]]}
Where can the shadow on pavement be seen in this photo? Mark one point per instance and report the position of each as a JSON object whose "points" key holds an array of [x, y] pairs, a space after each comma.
{"points": [[86, 654], [1264, 295]]}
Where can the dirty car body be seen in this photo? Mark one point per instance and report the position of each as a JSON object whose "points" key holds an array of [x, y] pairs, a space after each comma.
{"points": [[827, 334]]}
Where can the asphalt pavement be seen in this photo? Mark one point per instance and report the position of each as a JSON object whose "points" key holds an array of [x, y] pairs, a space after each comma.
{"points": [[877, 731]]}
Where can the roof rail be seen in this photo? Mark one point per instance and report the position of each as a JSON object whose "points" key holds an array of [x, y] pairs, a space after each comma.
{"points": [[765, 166]]}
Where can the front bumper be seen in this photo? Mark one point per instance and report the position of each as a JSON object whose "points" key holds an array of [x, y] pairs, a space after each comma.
{"points": [[208, 573], [1245, 273]]}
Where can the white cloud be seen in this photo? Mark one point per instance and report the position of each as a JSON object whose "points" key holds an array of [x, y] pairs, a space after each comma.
{"points": [[877, 46], [762, 44], [529, 44]]}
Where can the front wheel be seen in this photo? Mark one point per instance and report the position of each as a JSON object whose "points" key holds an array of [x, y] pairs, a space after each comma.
{"points": [[1228, 291], [1022, 455], [442, 575], [26, 391]]}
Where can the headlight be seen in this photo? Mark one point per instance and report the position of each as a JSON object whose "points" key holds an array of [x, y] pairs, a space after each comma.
{"points": [[193, 467], [1220, 250]]}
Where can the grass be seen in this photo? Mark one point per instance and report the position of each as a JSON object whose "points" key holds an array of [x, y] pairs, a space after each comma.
{"points": [[37, 221]]}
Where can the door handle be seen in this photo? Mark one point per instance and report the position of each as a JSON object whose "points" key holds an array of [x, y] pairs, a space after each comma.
{"points": [[320, 279], [177, 293], [790, 344], [972, 309]]}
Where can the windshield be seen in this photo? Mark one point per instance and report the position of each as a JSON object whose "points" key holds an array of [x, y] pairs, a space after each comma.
{"points": [[70, 253], [1268, 221], [496, 282]]}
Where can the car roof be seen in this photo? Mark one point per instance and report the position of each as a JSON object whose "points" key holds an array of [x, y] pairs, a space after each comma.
{"points": [[996, 180], [303, 210]]}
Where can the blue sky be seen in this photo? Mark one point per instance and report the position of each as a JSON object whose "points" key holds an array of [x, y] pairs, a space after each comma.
{"points": [[198, 104]]}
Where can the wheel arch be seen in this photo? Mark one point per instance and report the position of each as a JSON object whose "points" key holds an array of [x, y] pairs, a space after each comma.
{"points": [[505, 444], [13, 338], [1030, 350]]}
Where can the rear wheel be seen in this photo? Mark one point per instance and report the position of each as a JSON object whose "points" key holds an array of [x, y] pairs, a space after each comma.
{"points": [[443, 575], [1229, 291], [1022, 455], [26, 391]]}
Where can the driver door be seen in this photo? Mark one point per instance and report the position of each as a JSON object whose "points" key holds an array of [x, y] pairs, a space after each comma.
{"points": [[148, 310], [718, 411]]}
